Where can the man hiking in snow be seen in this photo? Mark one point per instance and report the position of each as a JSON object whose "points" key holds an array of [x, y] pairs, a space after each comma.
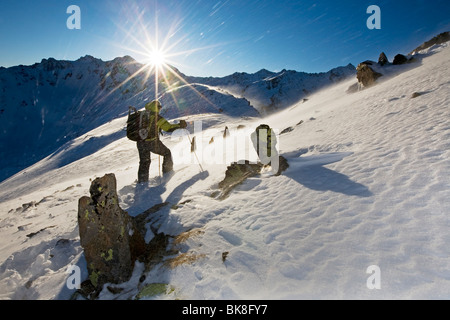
{"points": [[153, 143]]}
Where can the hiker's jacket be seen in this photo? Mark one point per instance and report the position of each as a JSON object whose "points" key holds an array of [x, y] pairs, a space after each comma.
{"points": [[158, 123]]}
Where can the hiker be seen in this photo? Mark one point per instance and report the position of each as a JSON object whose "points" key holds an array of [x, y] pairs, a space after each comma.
{"points": [[153, 143]]}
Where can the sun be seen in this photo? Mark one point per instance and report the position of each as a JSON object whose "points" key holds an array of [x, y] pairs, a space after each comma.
{"points": [[157, 59]]}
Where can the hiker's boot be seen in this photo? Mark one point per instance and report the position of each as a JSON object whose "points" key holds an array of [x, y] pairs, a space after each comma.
{"points": [[167, 164]]}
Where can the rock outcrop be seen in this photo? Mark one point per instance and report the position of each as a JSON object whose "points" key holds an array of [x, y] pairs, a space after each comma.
{"points": [[383, 60], [399, 59], [440, 38], [366, 75], [109, 236], [238, 172]]}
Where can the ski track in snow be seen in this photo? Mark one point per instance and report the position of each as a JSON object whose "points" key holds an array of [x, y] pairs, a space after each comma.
{"points": [[368, 184]]}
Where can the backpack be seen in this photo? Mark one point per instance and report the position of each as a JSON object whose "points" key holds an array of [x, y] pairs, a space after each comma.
{"points": [[138, 124]]}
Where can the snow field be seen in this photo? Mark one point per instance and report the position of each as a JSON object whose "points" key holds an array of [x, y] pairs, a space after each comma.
{"points": [[313, 232], [368, 184]]}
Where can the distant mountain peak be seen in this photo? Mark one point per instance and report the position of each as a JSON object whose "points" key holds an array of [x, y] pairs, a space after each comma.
{"points": [[88, 58], [264, 72], [124, 60], [51, 64]]}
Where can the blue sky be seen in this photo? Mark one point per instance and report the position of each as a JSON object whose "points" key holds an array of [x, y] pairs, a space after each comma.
{"points": [[219, 37]]}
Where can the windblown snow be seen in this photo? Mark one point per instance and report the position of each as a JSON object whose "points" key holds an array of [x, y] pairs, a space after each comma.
{"points": [[368, 185]]}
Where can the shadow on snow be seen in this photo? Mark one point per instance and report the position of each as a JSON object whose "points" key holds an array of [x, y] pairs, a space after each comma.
{"points": [[311, 173]]}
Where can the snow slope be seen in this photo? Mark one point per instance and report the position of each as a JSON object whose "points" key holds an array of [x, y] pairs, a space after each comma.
{"points": [[273, 91], [368, 184], [45, 105]]}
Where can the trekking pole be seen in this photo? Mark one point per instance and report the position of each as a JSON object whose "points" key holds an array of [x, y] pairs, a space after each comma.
{"points": [[159, 168], [193, 150]]}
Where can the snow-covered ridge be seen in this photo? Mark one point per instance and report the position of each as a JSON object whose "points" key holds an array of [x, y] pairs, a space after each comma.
{"points": [[47, 104], [272, 91]]}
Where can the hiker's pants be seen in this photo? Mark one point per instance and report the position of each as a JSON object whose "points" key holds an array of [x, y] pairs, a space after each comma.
{"points": [[157, 147]]}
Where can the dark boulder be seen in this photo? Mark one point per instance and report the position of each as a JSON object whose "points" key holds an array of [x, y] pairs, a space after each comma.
{"points": [[111, 241], [400, 59], [366, 75], [383, 60], [238, 172], [288, 129], [415, 95]]}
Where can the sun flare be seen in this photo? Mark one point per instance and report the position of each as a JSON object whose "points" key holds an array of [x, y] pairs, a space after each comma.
{"points": [[157, 51], [157, 59]]}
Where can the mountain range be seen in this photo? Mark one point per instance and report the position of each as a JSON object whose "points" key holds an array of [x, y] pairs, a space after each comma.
{"points": [[47, 104]]}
